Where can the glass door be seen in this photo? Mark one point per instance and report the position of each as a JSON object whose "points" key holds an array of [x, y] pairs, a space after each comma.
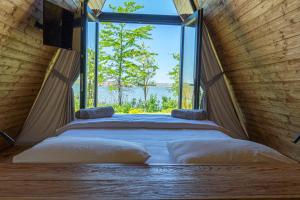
{"points": [[191, 62]]}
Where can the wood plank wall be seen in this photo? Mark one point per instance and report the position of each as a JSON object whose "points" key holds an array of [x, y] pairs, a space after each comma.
{"points": [[23, 61], [258, 42]]}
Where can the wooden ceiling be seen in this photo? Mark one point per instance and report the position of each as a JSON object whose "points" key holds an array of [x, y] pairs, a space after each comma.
{"points": [[72, 5], [75, 5], [183, 7]]}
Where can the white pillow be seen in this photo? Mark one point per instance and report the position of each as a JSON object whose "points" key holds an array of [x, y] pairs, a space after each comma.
{"points": [[223, 151], [83, 150]]}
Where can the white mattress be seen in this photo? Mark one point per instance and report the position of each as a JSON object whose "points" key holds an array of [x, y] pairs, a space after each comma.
{"points": [[153, 139]]}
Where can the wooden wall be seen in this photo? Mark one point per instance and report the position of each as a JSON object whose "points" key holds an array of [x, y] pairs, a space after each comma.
{"points": [[258, 42], [23, 61]]}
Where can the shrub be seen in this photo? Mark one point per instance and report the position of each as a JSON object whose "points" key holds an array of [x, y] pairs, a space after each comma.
{"points": [[166, 111], [125, 108], [152, 105], [168, 103], [136, 111], [135, 106]]}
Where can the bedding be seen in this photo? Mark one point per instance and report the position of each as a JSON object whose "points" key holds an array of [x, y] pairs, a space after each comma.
{"points": [[93, 113], [145, 121], [154, 140], [189, 114], [233, 151], [84, 150], [151, 131]]}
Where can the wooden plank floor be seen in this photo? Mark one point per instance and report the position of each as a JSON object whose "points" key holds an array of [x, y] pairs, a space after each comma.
{"points": [[96, 181]]}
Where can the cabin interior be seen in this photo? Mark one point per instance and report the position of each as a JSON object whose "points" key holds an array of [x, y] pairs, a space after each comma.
{"points": [[234, 135]]}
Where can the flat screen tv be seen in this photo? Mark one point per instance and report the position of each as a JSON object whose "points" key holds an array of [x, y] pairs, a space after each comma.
{"points": [[57, 26]]}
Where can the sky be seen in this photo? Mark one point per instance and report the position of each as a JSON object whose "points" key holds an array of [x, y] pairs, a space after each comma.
{"points": [[166, 38], [159, 7]]}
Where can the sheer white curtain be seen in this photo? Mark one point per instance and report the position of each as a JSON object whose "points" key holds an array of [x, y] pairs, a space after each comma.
{"points": [[54, 106], [221, 104]]}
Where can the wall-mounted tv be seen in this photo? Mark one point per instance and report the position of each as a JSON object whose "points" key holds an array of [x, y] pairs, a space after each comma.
{"points": [[57, 26]]}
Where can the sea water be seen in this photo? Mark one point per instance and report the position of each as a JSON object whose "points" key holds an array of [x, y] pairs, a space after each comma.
{"points": [[107, 96]]}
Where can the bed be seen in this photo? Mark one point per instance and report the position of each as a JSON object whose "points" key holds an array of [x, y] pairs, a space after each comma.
{"points": [[151, 131], [161, 179]]}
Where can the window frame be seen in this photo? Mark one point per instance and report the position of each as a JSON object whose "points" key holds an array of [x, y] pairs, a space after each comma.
{"points": [[198, 16], [87, 15]]}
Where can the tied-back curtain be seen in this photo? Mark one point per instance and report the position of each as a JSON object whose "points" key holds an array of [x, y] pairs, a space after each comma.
{"points": [[221, 104], [54, 106]]}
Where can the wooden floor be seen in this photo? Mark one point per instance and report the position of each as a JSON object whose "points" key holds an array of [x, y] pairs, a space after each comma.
{"points": [[96, 181]]}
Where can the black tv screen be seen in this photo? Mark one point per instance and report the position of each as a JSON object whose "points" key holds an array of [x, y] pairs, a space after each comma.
{"points": [[57, 26]]}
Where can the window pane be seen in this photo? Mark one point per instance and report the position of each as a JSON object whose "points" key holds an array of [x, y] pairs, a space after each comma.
{"points": [[202, 97], [91, 64], [76, 90], [166, 7], [141, 75], [188, 72]]}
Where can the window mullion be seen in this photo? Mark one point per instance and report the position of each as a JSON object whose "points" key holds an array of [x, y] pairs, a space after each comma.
{"points": [[96, 65]]}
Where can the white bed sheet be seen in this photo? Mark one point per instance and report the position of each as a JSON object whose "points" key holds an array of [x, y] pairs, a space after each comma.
{"points": [[143, 121], [154, 140]]}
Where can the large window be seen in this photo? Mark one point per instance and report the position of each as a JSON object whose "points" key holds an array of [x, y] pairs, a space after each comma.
{"points": [[133, 61], [191, 89], [188, 65], [135, 66]]}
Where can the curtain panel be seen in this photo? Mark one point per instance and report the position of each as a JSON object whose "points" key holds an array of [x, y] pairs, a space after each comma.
{"points": [[221, 104], [54, 106]]}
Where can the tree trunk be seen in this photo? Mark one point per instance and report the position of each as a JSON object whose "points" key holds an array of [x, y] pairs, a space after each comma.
{"points": [[119, 85], [145, 92], [120, 92]]}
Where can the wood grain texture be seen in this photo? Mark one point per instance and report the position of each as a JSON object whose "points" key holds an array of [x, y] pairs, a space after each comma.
{"points": [[23, 62], [96, 4], [72, 5], [96, 181], [258, 42]]}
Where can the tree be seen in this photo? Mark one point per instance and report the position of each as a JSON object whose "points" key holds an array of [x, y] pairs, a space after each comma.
{"points": [[90, 77], [145, 69], [174, 74], [119, 45]]}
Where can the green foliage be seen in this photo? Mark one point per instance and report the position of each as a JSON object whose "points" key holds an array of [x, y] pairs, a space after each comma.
{"points": [[174, 75], [125, 61], [136, 111], [118, 47], [153, 105], [128, 7], [168, 103], [145, 69], [76, 102], [124, 108], [90, 77]]}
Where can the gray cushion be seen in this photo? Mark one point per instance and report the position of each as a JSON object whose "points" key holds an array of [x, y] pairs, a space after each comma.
{"points": [[189, 114], [93, 113]]}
